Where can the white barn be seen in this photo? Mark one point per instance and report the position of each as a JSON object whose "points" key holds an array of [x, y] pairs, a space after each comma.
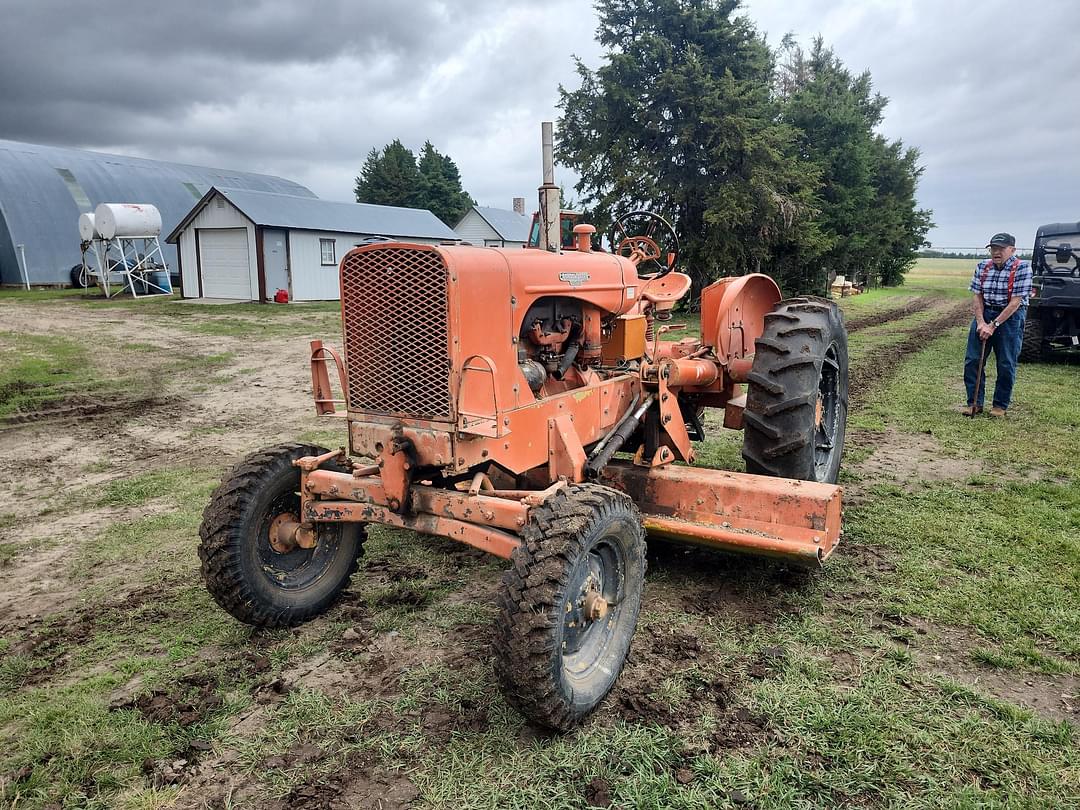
{"points": [[247, 245], [494, 227]]}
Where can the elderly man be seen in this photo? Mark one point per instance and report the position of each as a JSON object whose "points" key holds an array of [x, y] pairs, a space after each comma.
{"points": [[1002, 286]]}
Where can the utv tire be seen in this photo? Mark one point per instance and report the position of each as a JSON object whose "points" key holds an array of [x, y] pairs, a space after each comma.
{"points": [[555, 662], [1031, 349], [797, 393], [243, 572]]}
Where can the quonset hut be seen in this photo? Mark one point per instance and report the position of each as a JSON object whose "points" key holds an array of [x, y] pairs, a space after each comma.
{"points": [[43, 189]]}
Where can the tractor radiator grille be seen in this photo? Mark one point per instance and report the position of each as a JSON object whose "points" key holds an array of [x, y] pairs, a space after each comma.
{"points": [[394, 313]]}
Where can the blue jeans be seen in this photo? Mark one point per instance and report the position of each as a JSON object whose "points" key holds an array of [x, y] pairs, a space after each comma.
{"points": [[1005, 343]]}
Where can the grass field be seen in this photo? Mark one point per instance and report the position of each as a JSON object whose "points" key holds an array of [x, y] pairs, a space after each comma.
{"points": [[934, 663]]}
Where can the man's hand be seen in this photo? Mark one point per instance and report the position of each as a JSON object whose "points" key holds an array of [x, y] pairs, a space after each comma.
{"points": [[985, 330]]}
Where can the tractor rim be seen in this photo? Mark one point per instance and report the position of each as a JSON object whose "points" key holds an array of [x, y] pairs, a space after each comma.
{"points": [[827, 422], [296, 568], [591, 609]]}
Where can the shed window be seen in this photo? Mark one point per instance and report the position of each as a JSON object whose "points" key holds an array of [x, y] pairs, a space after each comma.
{"points": [[326, 248]]}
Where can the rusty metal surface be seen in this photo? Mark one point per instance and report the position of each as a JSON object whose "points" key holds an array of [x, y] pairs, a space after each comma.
{"points": [[489, 510], [733, 313], [323, 393], [672, 421], [683, 372], [493, 541], [777, 517], [283, 532], [566, 455], [733, 412], [395, 319]]}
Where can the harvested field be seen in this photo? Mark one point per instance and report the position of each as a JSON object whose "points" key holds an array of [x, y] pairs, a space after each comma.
{"points": [[934, 663]]}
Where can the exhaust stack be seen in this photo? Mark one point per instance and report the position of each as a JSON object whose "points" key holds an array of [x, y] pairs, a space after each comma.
{"points": [[549, 192]]}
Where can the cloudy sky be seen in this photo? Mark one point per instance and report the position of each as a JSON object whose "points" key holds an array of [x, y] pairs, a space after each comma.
{"points": [[987, 90]]}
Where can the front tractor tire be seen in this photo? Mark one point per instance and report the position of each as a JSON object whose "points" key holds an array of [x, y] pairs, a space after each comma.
{"points": [[244, 573], [797, 393], [569, 604]]}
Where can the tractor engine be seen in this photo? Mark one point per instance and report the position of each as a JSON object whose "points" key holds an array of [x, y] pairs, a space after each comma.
{"points": [[457, 346]]}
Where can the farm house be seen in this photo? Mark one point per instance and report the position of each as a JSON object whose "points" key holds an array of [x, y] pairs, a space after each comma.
{"points": [[247, 245], [44, 189], [494, 227]]}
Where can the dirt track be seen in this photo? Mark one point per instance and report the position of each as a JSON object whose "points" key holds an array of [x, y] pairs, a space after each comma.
{"points": [[910, 307]]}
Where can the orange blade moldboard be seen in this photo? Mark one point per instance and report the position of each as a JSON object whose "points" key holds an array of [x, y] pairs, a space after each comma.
{"points": [[798, 521]]}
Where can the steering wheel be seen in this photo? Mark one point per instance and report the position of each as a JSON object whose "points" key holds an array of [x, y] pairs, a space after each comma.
{"points": [[647, 234]]}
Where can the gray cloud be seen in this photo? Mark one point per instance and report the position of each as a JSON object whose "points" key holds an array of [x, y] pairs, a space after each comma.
{"points": [[975, 86], [306, 90]]}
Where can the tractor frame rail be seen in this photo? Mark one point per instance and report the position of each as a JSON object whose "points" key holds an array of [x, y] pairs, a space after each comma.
{"points": [[795, 521]]}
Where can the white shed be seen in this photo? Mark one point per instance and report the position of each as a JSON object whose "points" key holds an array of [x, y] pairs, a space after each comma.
{"points": [[493, 227], [247, 245]]}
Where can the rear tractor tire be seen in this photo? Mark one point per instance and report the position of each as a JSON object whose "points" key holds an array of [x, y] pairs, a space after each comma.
{"points": [[1031, 349], [797, 393], [569, 604], [251, 580]]}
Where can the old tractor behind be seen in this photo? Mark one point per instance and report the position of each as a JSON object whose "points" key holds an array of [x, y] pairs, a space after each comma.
{"points": [[522, 402]]}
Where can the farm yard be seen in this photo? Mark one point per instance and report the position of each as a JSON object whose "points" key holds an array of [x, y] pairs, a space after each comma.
{"points": [[934, 662]]}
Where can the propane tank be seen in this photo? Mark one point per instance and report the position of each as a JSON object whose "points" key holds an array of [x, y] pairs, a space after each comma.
{"points": [[127, 219], [86, 227]]}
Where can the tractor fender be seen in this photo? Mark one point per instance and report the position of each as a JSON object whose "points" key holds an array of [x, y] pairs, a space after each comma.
{"points": [[733, 313]]}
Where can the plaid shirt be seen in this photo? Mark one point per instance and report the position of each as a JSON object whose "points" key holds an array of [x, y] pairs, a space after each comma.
{"points": [[995, 291]]}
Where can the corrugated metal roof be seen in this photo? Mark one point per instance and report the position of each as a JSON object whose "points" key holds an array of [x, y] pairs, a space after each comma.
{"points": [[43, 189], [307, 214], [509, 225]]}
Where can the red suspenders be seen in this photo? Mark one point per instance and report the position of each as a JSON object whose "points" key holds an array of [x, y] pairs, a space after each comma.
{"points": [[1013, 264]]}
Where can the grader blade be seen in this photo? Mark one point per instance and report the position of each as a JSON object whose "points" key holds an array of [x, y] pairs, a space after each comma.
{"points": [[796, 521]]}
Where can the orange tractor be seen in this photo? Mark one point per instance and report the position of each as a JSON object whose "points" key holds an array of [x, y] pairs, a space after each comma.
{"points": [[522, 402]]}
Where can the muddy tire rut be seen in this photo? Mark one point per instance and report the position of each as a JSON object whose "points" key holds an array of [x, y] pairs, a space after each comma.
{"points": [[884, 316], [874, 370]]}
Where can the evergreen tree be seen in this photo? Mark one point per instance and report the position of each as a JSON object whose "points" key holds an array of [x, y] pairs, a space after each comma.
{"points": [[866, 201], [393, 177], [389, 177], [681, 118], [761, 167], [440, 188]]}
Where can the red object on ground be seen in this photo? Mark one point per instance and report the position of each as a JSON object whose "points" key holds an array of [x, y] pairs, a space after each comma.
{"points": [[281, 297]]}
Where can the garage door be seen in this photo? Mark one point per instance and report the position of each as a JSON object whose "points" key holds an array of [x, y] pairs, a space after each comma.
{"points": [[223, 254]]}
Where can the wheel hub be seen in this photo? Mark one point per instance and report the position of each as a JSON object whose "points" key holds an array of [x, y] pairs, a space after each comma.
{"points": [[595, 606], [286, 533]]}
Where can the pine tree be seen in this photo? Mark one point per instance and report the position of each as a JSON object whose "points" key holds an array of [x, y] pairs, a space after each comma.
{"points": [[393, 177], [681, 119], [389, 177], [866, 200], [761, 167], [440, 188]]}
